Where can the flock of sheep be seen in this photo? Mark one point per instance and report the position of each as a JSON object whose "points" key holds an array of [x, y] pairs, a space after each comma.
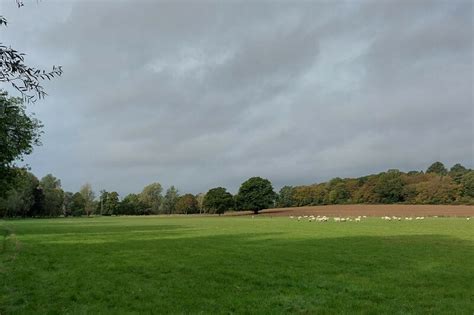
{"points": [[324, 218]]}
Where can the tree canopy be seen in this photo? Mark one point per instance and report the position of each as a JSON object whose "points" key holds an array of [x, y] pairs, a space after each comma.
{"points": [[217, 200], [255, 194]]}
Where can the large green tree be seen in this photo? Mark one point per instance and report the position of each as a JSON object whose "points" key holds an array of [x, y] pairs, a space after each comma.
{"points": [[53, 195], [131, 205], [218, 200], [20, 199], [111, 204], [19, 133], [77, 205], [151, 197], [255, 194], [169, 201]]}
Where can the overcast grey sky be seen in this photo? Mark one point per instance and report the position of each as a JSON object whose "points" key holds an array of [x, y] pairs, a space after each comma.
{"points": [[200, 94]]}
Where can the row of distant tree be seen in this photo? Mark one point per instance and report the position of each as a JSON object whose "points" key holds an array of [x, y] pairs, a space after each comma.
{"points": [[436, 185], [30, 197]]}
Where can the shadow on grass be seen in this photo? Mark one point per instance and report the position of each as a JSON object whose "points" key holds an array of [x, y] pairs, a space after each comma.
{"points": [[246, 273]]}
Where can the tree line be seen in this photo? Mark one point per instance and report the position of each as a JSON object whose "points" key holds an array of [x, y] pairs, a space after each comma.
{"points": [[436, 185], [28, 196]]}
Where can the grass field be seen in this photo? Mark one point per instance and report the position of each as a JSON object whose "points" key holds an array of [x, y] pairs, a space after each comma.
{"points": [[236, 265]]}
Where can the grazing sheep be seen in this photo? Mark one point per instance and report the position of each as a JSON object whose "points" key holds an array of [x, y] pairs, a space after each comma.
{"points": [[299, 218], [468, 218], [292, 217], [337, 219], [364, 216], [357, 219]]}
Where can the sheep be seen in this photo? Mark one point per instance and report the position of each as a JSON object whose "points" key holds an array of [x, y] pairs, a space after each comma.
{"points": [[364, 216], [337, 219], [468, 218], [357, 219], [299, 218], [292, 217]]}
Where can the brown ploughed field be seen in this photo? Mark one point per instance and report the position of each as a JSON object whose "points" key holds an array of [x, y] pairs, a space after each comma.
{"points": [[375, 210]]}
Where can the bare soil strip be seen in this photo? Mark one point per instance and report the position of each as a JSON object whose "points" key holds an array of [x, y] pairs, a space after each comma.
{"points": [[372, 210]]}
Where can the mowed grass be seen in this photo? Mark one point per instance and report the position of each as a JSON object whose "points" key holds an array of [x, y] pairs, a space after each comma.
{"points": [[227, 265]]}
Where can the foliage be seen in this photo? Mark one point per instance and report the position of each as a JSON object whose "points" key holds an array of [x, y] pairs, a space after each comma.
{"points": [[111, 204], [170, 200], [151, 197], [88, 196], [285, 197], [255, 194], [19, 133], [437, 168], [200, 200], [53, 195], [25, 196], [468, 184], [389, 187], [187, 204], [131, 205], [20, 199], [78, 204], [218, 200]]}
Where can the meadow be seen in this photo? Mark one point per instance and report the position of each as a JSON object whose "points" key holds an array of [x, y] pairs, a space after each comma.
{"points": [[217, 265]]}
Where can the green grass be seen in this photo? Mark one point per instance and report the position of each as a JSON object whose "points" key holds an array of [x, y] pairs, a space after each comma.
{"points": [[236, 265]]}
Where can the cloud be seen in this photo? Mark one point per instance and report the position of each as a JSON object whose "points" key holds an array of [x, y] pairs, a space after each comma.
{"points": [[204, 94]]}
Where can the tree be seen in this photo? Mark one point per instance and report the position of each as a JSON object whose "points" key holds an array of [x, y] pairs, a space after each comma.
{"points": [[457, 171], [19, 200], [468, 184], [255, 194], [19, 132], [131, 205], [200, 201], [187, 204], [285, 197], [169, 202], [438, 168], [218, 200], [88, 195], [53, 195], [77, 205], [102, 200], [389, 187], [111, 204], [151, 197], [67, 204]]}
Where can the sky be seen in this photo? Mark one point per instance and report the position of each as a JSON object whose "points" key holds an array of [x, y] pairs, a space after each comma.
{"points": [[200, 94]]}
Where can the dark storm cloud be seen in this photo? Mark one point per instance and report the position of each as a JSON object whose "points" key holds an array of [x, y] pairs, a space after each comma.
{"points": [[200, 94]]}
